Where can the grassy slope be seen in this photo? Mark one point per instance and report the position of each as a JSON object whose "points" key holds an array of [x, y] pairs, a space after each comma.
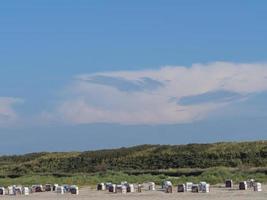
{"points": [[210, 162]]}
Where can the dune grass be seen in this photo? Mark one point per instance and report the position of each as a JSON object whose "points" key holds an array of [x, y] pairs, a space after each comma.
{"points": [[212, 175]]}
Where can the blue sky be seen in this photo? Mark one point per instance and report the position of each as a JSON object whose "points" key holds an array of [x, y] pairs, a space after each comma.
{"points": [[133, 71]]}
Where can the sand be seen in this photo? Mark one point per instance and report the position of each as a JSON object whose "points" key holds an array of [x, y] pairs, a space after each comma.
{"points": [[87, 193]]}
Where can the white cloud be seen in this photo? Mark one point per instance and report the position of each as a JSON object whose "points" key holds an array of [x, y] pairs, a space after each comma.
{"points": [[153, 96], [7, 112]]}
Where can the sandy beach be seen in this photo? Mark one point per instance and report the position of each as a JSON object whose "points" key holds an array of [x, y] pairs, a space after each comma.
{"points": [[87, 193]]}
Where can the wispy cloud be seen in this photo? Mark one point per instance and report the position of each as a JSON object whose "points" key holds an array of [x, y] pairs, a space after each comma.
{"points": [[7, 113], [218, 96], [172, 94], [123, 84]]}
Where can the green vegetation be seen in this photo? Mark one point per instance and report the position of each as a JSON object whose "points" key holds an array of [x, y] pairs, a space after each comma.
{"points": [[210, 162], [212, 175]]}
